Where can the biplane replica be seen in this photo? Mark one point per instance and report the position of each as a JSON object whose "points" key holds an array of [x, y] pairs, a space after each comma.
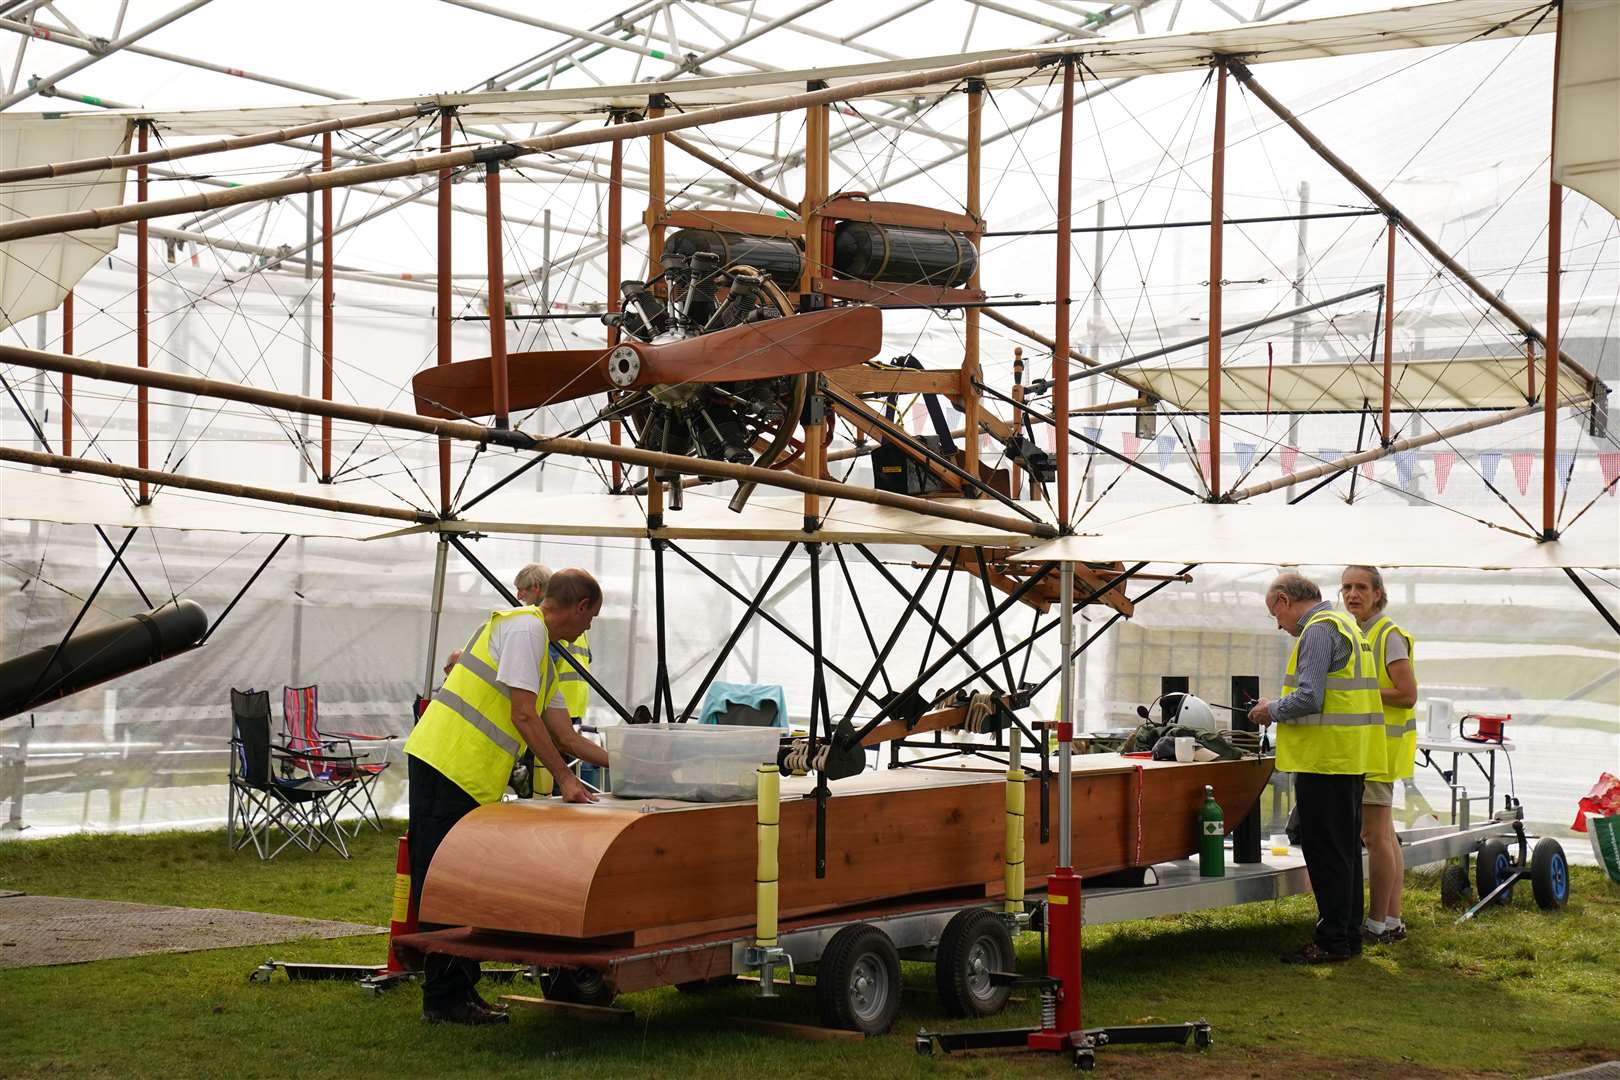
{"points": [[740, 372]]}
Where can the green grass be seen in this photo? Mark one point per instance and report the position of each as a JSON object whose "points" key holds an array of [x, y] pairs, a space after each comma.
{"points": [[1513, 992]]}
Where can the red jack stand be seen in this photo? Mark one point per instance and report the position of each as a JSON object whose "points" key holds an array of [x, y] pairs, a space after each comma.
{"points": [[1061, 1031]]}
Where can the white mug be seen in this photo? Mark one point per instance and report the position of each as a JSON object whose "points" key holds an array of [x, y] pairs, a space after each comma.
{"points": [[1185, 746]]}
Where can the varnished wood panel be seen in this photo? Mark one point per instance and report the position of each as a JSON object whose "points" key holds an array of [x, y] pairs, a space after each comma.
{"points": [[609, 870]]}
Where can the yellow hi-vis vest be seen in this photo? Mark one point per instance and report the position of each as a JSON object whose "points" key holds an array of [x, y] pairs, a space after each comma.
{"points": [[467, 731], [576, 691], [1400, 725], [1347, 736]]}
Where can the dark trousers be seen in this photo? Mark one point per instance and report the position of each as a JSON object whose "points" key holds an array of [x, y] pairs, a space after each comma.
{"points": [[1330, 834], [437, 803]]}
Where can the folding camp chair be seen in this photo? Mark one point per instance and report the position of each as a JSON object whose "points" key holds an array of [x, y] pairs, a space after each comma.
{"points": [[264, 793], [331, 755]]}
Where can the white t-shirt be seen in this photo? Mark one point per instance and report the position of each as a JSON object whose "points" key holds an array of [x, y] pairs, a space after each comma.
{"points": [[518, 645]]}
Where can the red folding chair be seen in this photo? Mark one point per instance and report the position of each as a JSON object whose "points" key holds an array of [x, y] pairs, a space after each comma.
{"points": [[330, 756]]}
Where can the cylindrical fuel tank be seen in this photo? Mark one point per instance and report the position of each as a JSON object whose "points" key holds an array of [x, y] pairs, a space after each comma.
{"points": [[93, 656], [777, 256], [902, 254]]}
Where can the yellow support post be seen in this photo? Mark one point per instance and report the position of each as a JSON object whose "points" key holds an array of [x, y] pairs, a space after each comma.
{"points": [[1013, 859], [765, 872]]}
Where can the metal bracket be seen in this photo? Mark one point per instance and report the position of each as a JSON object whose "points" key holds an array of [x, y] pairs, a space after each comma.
{"points": [[765, 960]]}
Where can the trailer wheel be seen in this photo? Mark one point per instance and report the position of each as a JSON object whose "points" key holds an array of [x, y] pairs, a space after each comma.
{"points": [[858, 980], [1454, 886], [1492, 865], [1549, 875], [577, 986], [974, 944]]}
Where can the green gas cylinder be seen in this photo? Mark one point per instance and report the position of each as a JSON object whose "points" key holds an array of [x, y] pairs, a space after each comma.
{"points": [[1211, 837]]}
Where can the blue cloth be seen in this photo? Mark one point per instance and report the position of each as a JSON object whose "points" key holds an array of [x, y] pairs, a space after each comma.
{"points": [[753, 695]]}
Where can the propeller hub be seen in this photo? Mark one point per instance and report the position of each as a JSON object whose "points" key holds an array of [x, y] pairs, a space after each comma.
{"points": [[624, 366]]}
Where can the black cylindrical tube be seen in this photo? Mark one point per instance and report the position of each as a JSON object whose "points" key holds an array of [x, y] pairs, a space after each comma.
{"points": [[94, 656]]}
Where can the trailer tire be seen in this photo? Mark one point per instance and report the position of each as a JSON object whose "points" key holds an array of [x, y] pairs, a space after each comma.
{"points": [[858, 980], [1549, 875], [578, 986], [975, 943], [1454, 887], [1490, 867]]}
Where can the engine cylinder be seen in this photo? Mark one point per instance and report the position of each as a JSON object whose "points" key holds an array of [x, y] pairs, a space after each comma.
{"points": [[777, 256], [904, 255]]}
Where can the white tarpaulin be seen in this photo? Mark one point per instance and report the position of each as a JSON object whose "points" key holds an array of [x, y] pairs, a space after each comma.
{"points": [[1408, 26], [1486, 383], [770, 516], [1330, 534], [1586, 147], [75, 499], [35, 274]]}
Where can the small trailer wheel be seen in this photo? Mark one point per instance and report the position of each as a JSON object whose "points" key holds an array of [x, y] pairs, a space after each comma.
{"points": [[578, 986], [975, 943], [1549, 875], [1202, 1036], [1491, 867], [1454, 887], [858, 980]]}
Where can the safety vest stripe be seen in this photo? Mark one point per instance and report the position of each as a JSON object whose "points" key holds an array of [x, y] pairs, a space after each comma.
{"points": [[569, 676], [1349, 682], [482, 669], [1341, 719], [456, 704], [1395, 731], [578, 649]]}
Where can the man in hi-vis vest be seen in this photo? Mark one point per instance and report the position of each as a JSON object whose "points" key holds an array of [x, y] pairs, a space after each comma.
{"points": [[461, 753], [1330, 735]]}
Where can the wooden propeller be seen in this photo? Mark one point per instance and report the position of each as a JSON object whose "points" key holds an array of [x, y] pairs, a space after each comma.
{"points": [[819, 341]]}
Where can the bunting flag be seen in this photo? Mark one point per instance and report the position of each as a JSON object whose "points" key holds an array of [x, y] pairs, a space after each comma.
{"points": [[1245, 455], [1566, 465], [1167, 449], [1443, 461], [1488, 461], [1329, 455], [1367, 469], [1406, 468], [1094, 433], [1203, 456], [1610, 463], [1522, 464], [1133, 445], [1290, 455]]}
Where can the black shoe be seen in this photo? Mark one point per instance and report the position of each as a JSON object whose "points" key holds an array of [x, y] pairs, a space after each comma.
{"points": [[497, 1006], [464, 1012], [1370, 938], [1394, 934], [1313, 953]]}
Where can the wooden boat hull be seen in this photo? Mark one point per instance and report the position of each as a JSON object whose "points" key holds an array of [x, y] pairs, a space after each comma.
{"points": [[644, 871]]}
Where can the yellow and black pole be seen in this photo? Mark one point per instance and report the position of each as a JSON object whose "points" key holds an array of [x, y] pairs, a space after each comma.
{"points": [[1013, 849]]}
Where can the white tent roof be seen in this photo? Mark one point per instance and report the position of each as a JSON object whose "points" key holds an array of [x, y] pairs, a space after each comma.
{"points": [[1457, 383], [1331, 533], [1415, 26]]}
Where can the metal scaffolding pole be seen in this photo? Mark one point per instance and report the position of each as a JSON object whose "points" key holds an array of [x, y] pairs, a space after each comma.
{"points": [[105, 51]]}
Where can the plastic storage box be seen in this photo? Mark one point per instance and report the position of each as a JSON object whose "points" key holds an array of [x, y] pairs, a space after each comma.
{"points": [[691, 762]]}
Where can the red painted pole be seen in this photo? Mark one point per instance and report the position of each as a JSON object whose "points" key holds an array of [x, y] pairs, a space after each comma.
{"points": [[1389, 325], [326, 310], [1555, 230], [142, 329], [67, 380], [1217, 217], [442, 315], [1060, 336], [497, 295], [615, 271]]}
